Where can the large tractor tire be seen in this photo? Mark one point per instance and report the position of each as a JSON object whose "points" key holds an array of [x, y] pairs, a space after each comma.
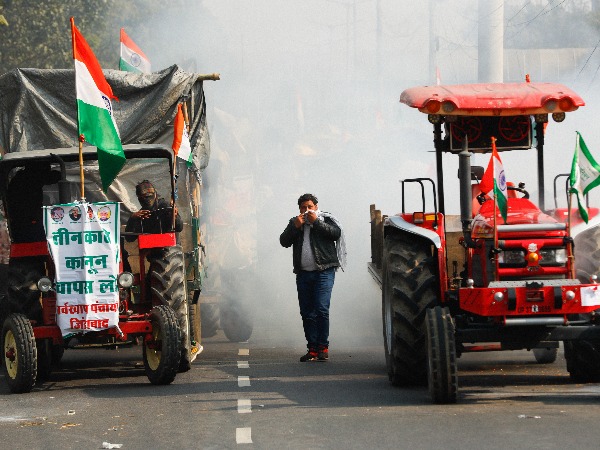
{"points": [[48, 357], [168, 286], [236, 321], [409, 289], [20, 353], [587, 254], [162, 353], [22, 292], [545, 355], [583, 360], [209, 319], [442, 368]]}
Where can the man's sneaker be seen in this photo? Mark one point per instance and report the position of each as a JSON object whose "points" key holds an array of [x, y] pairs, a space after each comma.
{"points": [[310, 356], [323, 354]]}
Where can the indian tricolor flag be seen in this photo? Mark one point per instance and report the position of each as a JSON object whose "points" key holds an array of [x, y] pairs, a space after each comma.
{"points": [[181, 140], [95, 118], [132, 57], [494, 179]]}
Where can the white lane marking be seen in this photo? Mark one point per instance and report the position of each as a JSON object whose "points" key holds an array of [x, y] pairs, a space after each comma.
{"points": [[243, 365], [244, 352], [244, 405], [243, 435], [243, 381]]}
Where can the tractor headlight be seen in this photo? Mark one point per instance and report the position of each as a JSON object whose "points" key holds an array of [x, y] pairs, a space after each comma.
{"points": [[514, 258], [125, 280], [44, 284], [553, 256]]}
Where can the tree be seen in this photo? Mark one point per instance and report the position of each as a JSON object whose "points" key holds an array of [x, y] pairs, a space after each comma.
{"points": [[37, 34]]}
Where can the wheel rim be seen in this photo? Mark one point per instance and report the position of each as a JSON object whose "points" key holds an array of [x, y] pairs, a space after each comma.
{"points": [[153, 353], [11, 356]]}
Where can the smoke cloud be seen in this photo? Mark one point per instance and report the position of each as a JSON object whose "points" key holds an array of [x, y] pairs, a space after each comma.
{"points": [[308, 101]]}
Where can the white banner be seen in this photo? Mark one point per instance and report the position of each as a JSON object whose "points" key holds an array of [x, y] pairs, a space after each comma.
{"points": [[84, 243]]}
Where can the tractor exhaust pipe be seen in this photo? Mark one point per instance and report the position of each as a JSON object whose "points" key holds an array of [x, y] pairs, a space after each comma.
{"points": [[466, 206], [464, 175]]}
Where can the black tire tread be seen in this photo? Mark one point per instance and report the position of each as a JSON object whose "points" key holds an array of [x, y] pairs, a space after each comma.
{"points": [[164, 317], [26, 373], [209, 319], [583, 360], [168, 287], [442, 368], [410, 280]]}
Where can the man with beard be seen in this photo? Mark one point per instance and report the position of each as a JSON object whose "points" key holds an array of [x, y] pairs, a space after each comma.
{"points": [[155, 215]]}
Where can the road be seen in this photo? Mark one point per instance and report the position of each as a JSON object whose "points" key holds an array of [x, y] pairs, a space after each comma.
{"points": [[257, 395]]}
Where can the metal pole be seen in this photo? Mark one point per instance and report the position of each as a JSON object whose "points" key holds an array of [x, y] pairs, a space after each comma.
{"points": [[491, 41], [437, 140], [539, 133]]}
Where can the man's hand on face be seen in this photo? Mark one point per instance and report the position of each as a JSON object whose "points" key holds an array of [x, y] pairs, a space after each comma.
{"points": [[308, 212], [311, 216], [300, 219]]}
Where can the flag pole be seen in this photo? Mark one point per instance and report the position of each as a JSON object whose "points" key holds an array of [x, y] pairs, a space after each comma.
{"points": [[570, 254], [174, 187], [495, 219], [81, 137]]}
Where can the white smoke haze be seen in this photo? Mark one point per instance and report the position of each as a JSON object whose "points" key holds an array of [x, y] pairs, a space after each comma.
{"points": [[308, 101]]}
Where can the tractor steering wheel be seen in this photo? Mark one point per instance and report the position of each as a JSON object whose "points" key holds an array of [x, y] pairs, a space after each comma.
{"points": [[520, 188]]}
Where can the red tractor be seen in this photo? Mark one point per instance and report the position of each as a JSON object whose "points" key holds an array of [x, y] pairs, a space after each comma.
{"points": [[468, 283]]}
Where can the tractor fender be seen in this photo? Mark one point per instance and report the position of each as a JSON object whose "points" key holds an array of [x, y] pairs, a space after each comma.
{"points": [[401, 224]]}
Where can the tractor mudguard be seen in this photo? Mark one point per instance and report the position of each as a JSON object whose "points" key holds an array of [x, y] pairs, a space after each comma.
{"points": [[401, 224]]}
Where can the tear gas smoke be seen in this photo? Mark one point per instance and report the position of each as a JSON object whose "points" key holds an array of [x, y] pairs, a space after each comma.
{"points": [[308, 102]]}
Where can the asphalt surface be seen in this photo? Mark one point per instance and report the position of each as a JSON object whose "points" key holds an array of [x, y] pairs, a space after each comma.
{"points": [[258, 395]]}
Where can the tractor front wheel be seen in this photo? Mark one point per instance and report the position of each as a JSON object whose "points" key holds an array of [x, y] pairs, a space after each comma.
{"points": [[583, 360], [162, 353], [442, 371], [20, 353], [409, 288], [168, 286]]}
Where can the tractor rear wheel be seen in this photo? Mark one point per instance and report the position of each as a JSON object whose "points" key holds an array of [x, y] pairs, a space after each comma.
{"points": [[587, 254], [20, 353], [442, 370], [22, 292], [162, 353], [236, 321], [409, 288], [583, 360], [545, 355], [48, 357], [168, 287], [209, 319]]}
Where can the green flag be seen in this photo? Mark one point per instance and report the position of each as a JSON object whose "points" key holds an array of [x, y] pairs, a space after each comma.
{"points": [[585, 174]]}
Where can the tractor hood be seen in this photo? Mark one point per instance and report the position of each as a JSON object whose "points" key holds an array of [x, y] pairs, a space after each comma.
{"points": [[520, 212]]}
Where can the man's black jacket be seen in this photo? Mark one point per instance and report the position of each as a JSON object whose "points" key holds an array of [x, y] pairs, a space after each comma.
{"points": [[323, 235], [159, 221]]}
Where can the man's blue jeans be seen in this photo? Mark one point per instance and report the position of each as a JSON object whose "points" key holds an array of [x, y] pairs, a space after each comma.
{"points": [[314, 296]]}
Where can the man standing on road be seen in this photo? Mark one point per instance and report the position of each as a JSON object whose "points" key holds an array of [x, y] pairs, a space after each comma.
{"points": [[316, 257]]}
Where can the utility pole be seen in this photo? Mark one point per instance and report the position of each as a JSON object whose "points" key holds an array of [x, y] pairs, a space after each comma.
{"points": [[491, 41], [432, 43]]}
